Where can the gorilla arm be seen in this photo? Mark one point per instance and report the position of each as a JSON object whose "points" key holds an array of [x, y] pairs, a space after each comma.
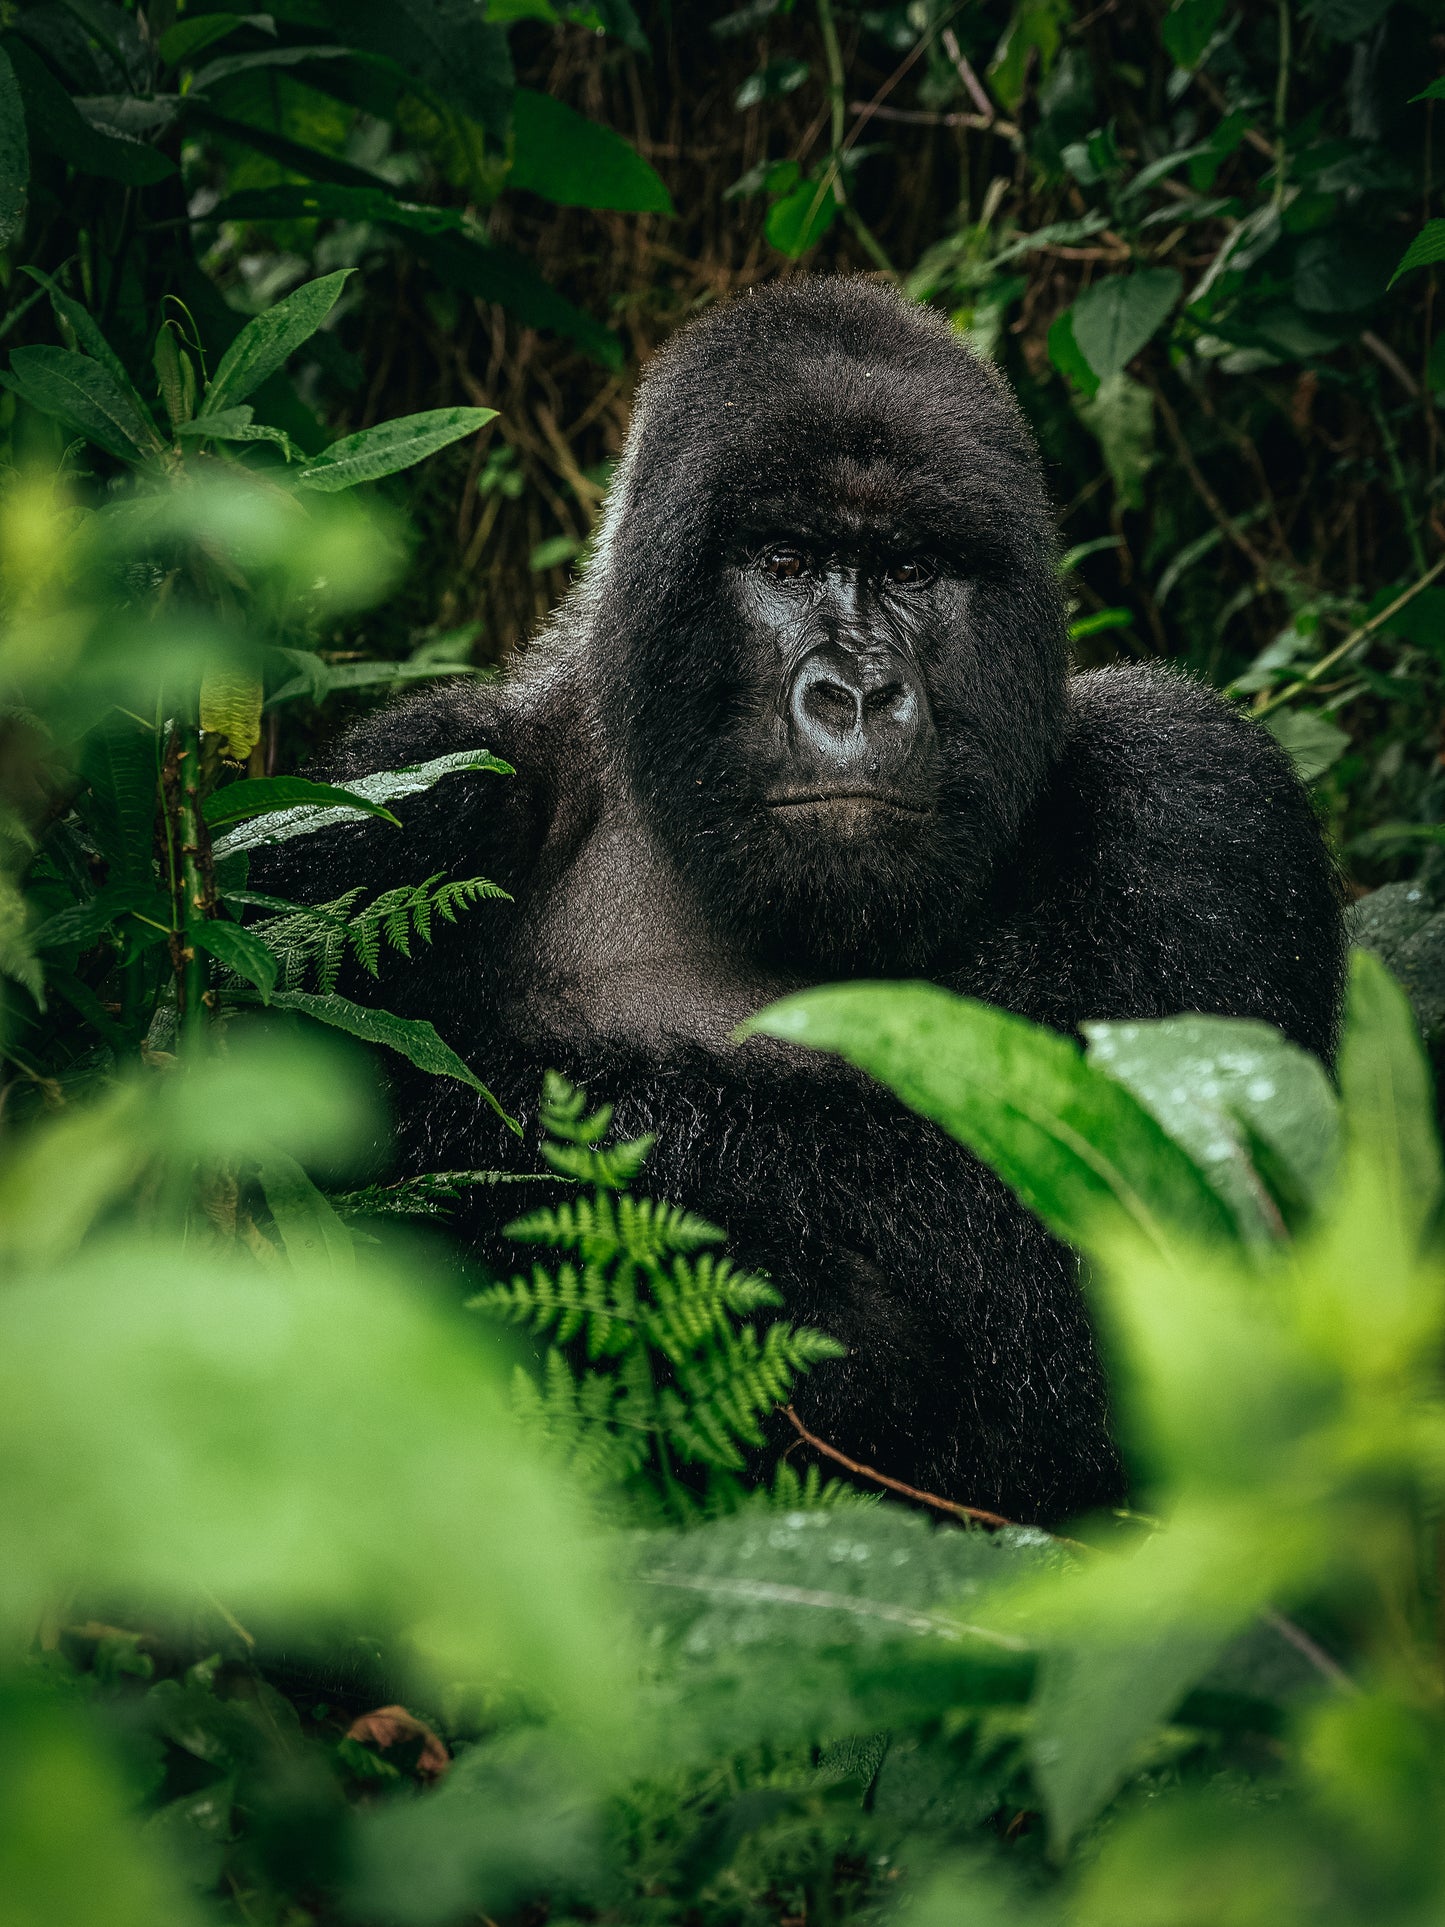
{"points": [[468, 824], [1175, 865]]}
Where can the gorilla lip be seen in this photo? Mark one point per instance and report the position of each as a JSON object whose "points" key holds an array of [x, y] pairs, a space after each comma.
{"points": [[814, 797]]}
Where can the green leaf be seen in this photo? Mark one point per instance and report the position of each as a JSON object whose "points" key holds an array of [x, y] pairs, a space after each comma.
{"points": [[410, 1037], [1114, 319], [1387, 1104], [1121, 417], [1081, 1152], [390, 447], [119, 762], [14, 155], [1427, 247], [240, 950], [1065, 354], [187, 38], [86, 331], [263, 795], [87, 397], [1220, 1085], [268, 341], [576, 162], [1188, 28], [383, 787], [55, 124], [310, 1229], [156, 1401], [1311, 740], [332, 200], [1094, 1706], [83, 923], [1346, 270], [800, 218], [1346, 19]]}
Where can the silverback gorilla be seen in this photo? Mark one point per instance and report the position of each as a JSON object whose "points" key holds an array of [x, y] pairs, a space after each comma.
{"points": [[809, 716]]}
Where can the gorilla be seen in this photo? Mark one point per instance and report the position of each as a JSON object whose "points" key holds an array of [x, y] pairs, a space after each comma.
{"points": [[808, 715]]}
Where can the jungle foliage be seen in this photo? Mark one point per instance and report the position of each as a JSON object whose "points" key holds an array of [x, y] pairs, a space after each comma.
{"points": [[324, 1594]]}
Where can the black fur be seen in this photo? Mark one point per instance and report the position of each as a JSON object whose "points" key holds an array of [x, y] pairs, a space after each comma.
{"points": [[1113, 844]]}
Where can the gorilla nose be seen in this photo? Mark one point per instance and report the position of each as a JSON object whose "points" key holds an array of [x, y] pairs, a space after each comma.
{"points": [[855, 716]]}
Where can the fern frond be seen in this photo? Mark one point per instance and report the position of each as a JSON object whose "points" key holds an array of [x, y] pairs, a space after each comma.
{"points": [[649, 1229], [584, 1225], [588, 1163], [431, 1194]]}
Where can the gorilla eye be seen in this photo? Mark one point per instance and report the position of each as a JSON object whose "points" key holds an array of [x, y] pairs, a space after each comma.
{"points": [[912, 572], [785, 564]]}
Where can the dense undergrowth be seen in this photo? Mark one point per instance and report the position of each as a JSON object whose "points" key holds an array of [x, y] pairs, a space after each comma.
{"points": [[326, 1596]]}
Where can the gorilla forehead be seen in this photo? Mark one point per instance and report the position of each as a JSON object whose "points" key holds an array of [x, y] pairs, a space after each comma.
{"points": [[836, 403]]}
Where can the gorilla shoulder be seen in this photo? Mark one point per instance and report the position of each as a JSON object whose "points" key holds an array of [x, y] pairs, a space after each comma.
{"points": [[1189, 852]]}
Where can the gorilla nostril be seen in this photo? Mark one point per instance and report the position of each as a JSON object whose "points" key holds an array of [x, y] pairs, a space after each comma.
{"points": [[831, 704], [891, 697]]}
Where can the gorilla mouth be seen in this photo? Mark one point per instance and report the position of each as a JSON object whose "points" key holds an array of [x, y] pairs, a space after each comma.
{"points": [[879, 799]]}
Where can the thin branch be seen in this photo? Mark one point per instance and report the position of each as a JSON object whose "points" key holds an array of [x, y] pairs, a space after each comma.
{"points": [[966, 74], [1351, 642], [1225, 522], [975, 1515]]}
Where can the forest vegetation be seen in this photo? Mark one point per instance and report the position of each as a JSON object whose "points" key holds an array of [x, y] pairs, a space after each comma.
{"points": [[338, 1586]]}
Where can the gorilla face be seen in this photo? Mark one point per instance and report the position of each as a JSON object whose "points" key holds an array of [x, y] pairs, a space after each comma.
{"points": [[830, 632]]}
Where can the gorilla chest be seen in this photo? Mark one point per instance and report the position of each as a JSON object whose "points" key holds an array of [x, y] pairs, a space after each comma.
{"points": [[617, 950]]}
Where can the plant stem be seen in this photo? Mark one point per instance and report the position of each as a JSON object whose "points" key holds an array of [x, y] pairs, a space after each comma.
{"points": [[1397, 475], [1281, 101], [837, 110], [1351, 642], [833, 54], [192, 882]]}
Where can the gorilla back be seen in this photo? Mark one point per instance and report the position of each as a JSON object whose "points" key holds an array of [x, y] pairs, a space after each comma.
{"points": [[808, 715]]}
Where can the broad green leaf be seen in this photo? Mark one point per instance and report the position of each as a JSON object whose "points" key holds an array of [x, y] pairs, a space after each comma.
{"points": [[240, 950], [1222, 1086], [1313, 743], [330, 200], [264, 795], [70, 1847], [1346, 19], [1030, 42], [310, 1229], [119, 762], [231, 709], [814, 1626], [316, 680], [1114, 319], [448, 44], [1387, 1110], [1346, 270], [187, 38], [1427, 247], [175, 1423], [1188, 28], [1121, 417], [801, 218], [56, 124], [268, 342], [576, 162], [1096, 1704], [230, 65], [87, 333], [1081, 1151], [384, 787], [391, 446], [410, 1037], [87, 397], [14, 155], [83, 923], [1065, 354]]}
